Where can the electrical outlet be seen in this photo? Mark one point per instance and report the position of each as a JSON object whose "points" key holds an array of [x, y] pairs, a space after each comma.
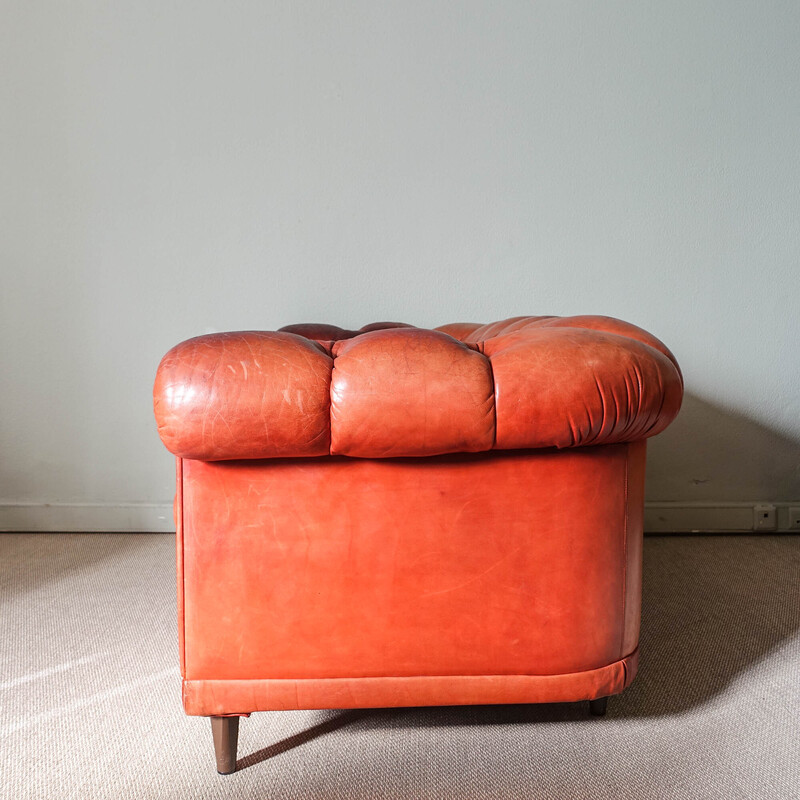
{"points": [[794, 518], [764, 518]]}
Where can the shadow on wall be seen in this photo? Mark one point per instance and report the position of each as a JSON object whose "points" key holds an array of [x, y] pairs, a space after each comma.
{"points": [[710, 454]]}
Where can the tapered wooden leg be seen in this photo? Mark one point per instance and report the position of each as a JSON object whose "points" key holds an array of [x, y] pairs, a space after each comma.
{"points": [[598, 707], [226, 738]]}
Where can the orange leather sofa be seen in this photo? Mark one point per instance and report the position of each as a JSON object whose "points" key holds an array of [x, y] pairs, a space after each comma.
{"points": [[403, 517]]}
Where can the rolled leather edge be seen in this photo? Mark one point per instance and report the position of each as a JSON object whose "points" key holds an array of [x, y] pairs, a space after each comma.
{"points": [[259, 394], [246, 394], [214, 697]]}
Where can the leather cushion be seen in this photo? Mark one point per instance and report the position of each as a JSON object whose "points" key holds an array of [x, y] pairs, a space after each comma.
{"points": [[244, 395], [416, 394]]}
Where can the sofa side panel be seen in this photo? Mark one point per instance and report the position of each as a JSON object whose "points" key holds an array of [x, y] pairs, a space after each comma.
{"points": [[509, 563]]}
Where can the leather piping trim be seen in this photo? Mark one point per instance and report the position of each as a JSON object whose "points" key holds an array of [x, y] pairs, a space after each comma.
{"points": [[181, 582], [625, 510], [220, 697]]}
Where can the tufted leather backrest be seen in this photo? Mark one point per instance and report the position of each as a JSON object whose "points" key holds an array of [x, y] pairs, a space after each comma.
{"points": [[395, 390]]}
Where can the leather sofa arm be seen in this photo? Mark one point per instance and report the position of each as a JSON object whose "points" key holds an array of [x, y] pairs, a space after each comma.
{"points": [[394, 390], [250, 394]]}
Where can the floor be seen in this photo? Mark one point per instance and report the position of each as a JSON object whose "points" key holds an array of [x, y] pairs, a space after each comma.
{"points": [[90, 694]]}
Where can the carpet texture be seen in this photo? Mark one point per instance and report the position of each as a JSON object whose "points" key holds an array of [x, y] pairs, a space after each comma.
{"points": [[90, 694]]}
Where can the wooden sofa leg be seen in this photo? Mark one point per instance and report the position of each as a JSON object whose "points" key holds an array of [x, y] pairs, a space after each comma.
{"points": [[225, 731], [598, 707]]}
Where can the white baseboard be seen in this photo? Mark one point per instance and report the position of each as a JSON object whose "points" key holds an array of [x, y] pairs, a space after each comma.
{"points": [[717, 517], [87, 517], [157, 518]]}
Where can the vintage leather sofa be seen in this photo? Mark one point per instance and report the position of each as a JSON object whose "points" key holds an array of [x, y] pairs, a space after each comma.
{"points": [[402, 517]]}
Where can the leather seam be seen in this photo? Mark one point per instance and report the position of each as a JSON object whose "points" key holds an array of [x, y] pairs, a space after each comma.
{"points": [[183, 568], [494, 394], [631, 654], [625, 551], [618, 662], [330, 401]]}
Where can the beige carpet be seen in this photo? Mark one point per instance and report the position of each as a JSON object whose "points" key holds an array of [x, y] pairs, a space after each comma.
{"points": [[90, 692]]}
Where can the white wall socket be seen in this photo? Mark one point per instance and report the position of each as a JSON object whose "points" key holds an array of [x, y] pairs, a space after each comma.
{"points": [[794, 518], [764, 517]]}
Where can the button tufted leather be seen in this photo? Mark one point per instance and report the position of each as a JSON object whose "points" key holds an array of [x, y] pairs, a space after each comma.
{"points": [[395, 390], [410, 392]]}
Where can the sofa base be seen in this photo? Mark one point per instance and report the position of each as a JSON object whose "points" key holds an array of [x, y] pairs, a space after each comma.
{"points": [[209, 698], [217, 698]]}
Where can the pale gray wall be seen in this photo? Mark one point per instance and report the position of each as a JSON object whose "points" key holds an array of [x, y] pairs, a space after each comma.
{"points": [[174, 168]]}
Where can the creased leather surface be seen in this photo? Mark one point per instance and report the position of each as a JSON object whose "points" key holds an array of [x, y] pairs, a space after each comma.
{"points": [[208, 697], [244, 394], [508, 563], [394, 390]]}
